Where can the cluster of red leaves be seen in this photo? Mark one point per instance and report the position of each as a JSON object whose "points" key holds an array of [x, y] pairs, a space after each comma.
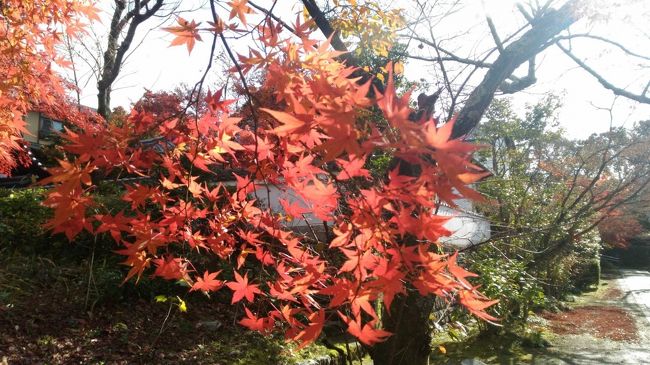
{"points": [[30, 32], [619, 227], [384, 232]]}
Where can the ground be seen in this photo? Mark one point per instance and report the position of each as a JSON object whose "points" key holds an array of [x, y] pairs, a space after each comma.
{"points": [[46, 319], [610, 326], [49, 314]]}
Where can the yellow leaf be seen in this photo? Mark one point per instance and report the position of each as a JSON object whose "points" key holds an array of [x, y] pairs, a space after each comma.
{"points": [[380, 76], [442, 349], [181, 305], [160, 298]]}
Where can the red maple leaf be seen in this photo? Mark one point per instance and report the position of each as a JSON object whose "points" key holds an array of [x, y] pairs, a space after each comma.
{"points": [[352, 168], [257, 324], [311, 332], [293, 209], [367, 334], [459, 272], [215, 104], [169, 268], [208, 282], [242, 289]]}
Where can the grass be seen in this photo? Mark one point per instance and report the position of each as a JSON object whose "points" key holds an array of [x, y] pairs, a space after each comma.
{"points": [[46, 318]]}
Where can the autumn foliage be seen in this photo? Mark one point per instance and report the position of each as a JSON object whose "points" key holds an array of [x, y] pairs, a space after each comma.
{"points": [[382, 232], [31, 30]]}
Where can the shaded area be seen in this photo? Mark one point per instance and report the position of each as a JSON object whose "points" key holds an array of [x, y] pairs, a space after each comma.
{"points": [[44, 318]]}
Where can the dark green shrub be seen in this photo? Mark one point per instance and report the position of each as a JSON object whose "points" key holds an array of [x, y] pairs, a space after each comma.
{"points": [[21, 220], [507, 280]]}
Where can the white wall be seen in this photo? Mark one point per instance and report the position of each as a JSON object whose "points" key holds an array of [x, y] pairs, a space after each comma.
{"points": [[468, 228]]}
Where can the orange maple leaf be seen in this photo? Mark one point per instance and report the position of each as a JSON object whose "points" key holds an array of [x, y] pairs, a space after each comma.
{"points": [[475, 305], [240, 9], [291, 124], [186, 33]]}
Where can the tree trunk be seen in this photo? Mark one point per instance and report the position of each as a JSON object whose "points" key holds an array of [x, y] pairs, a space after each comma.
{"points": [[410, 324], [104, 101], [115, 53]]}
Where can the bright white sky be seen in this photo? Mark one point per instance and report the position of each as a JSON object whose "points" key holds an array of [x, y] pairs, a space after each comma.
{"points": [[156, 66]]}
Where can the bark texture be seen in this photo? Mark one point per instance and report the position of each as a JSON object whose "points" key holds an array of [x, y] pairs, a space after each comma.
{"points": [[410, 324]]}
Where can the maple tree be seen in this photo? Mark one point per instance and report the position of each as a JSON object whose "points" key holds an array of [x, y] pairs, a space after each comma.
{"points": [[553, 201], [312, 145], [312, 139], [30, 33]]}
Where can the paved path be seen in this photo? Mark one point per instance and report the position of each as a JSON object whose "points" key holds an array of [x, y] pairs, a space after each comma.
{"points": [[636, 286], [588, 350]]}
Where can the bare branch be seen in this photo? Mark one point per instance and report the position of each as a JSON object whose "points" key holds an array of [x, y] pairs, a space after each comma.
{"points": [[495, 35], [467, 61], [603, 39], [641, 98]]}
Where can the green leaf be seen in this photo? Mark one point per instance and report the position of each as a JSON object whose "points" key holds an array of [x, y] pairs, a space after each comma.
{"points": [[161, 298]]}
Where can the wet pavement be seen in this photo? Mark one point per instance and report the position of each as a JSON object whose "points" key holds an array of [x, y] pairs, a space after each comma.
{"points": [[633, 288]]}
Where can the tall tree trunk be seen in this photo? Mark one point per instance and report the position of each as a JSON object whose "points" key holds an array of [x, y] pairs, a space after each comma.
{"points": [[410, 324], [116, 51], [104, 101]]}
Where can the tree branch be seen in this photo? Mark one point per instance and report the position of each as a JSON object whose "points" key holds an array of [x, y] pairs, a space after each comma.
{"points": [[495, 35], [606, 84], [544, 28], [324, 25], [603, 39], [517, 84]]}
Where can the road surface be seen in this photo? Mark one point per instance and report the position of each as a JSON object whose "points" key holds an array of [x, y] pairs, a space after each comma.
{"points": [[586, 349], [635, 284]]}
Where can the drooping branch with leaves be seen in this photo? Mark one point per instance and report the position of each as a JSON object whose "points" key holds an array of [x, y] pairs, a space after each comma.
{"points": [[185, 223]]}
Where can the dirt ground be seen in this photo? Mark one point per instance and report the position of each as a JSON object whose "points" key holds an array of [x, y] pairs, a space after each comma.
{"points": [[44, 320]]}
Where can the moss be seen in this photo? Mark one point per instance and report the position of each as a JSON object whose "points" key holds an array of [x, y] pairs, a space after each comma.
{"points": [[235, 346], [503, 348]]}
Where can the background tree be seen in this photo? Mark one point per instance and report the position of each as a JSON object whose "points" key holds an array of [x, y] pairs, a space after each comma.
{"points": [[549, 199], [471, 76], [124, 24]]}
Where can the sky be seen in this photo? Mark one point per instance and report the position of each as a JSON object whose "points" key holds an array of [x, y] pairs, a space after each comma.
{"points": [[156, 66]]}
